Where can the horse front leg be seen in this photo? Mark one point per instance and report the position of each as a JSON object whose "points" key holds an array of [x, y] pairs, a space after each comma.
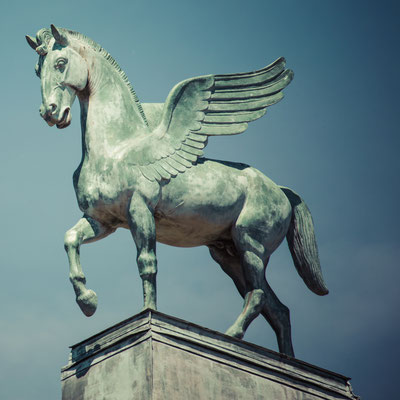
{"points": [[143, 229], [87, 230]]}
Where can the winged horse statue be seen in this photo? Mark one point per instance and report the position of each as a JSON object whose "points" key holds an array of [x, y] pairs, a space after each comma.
{"points": [[143, 169]]}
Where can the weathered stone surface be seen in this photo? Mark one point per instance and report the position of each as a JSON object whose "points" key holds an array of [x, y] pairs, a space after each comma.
{"points": [[155, 356]]}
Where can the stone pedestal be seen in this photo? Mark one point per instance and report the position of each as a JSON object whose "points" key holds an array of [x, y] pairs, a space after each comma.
{"points": [[155, 356]]}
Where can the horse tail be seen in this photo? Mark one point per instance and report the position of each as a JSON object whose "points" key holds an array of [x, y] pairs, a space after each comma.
{"points": [[302, 244]]}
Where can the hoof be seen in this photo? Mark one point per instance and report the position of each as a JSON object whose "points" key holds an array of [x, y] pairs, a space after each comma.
{"points": [[149, 307], [87, 302], [232, 331]]}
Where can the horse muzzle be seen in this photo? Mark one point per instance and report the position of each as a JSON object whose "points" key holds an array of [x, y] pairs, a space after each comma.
{"points": [[52, 116]]}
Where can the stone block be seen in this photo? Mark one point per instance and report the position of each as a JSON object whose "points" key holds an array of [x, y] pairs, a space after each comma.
{"points": [[158, 357]]}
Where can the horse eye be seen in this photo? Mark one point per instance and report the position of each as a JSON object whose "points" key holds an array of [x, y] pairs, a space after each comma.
{"points": [[60, 63]]}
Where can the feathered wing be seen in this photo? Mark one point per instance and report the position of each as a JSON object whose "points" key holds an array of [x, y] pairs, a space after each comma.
{"points": [[206, 106]]}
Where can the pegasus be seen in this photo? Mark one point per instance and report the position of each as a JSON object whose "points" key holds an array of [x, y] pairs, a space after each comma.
{"points": [[143, 169]]}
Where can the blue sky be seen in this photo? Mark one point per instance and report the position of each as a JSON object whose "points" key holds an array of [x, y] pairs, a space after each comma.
{"points": [[334, 139]]}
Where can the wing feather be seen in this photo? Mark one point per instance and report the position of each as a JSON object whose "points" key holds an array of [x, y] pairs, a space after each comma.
{"points": [[194, 143], [209, 105], [161, 171], [198, 138], [229, 118], [149, 172], [250, 79], [187, 156], [223, 129], [175, 164], [264, 90], [280, 61], [191, 150], [245, 105], [167, 166]]}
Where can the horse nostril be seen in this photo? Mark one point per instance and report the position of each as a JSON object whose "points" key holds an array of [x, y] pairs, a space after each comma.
{"points": [[52, 108]]}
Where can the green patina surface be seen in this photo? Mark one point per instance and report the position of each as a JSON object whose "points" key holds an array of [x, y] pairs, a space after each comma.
{"points": [[143, 169]]}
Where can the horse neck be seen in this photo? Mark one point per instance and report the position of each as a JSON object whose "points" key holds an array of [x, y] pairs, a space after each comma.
{"points": [[109, 113]]}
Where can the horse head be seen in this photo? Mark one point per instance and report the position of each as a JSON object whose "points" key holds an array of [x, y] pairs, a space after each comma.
{"points": [[63, 73]]}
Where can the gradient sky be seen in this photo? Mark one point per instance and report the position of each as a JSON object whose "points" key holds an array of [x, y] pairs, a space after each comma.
{"points": [[334, 139]]}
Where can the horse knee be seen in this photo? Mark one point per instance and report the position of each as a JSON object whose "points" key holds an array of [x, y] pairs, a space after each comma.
{"points": [[71, 239], [147, 264]]}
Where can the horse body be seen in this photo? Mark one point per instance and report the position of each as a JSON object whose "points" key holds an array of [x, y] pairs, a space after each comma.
{"points": [[203, 206], [197, 208], [141, 171]]}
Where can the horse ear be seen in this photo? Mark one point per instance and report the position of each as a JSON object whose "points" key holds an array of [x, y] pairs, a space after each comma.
{"points": [[59, 37], [31, 41]]}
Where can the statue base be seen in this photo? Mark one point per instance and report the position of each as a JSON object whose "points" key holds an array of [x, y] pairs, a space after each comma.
{"points": [[155, 356]]}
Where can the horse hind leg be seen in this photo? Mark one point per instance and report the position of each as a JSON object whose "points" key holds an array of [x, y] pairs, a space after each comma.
{"points": [[276, 313]]}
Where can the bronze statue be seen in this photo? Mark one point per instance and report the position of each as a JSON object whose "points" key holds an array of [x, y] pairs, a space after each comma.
{"points": [[142, 169]]}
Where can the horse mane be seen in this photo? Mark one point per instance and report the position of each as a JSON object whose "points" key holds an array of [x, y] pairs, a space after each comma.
{"points": [[44, 36]]}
